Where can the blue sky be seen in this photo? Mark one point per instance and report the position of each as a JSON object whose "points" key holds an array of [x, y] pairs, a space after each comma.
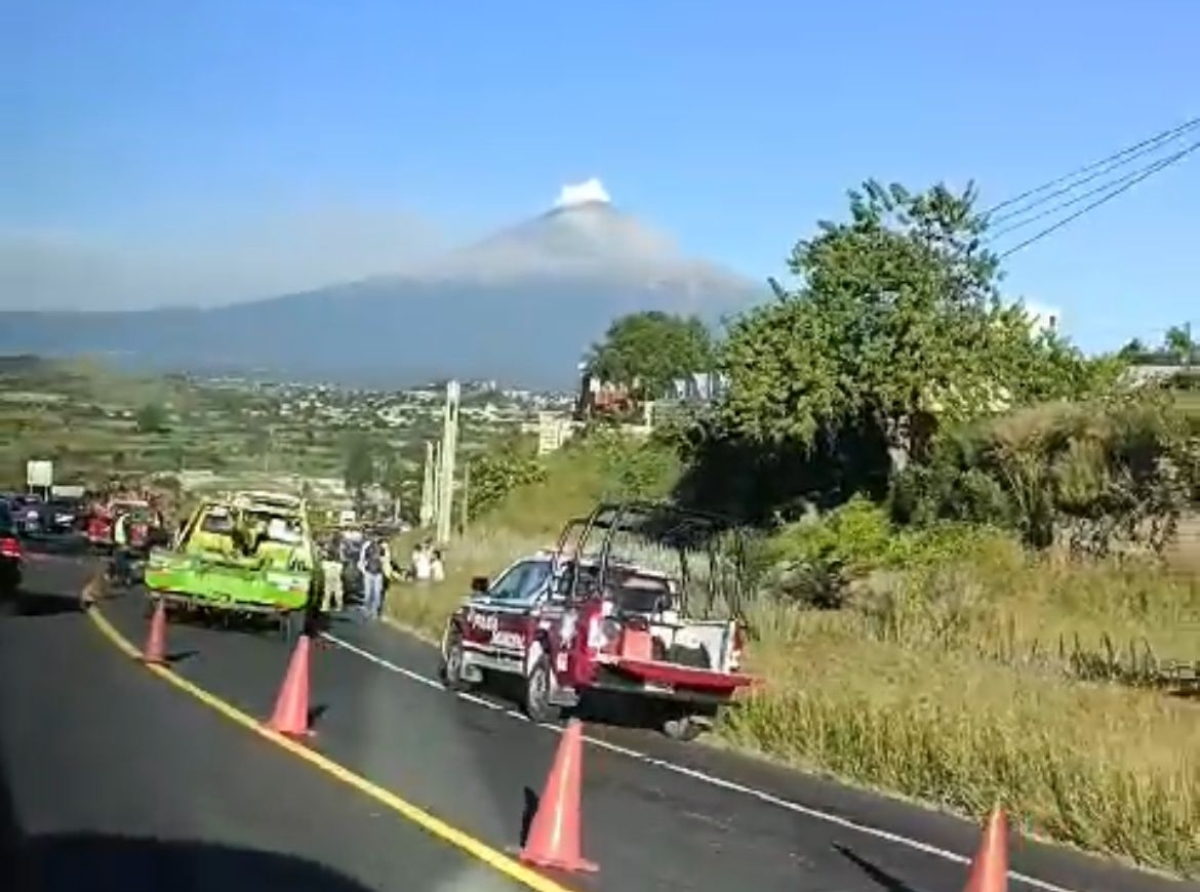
{"points": [[226, 141]]}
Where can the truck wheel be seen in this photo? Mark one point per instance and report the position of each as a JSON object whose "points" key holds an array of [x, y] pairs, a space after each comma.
{"points": [[538, 686], [682, 728], [452, 663]]}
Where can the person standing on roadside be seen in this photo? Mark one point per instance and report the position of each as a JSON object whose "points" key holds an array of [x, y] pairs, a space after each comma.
{"points": [[389, 570], [332, 570], [121, 556], [370, 564], [437, 567], [420, 563]]}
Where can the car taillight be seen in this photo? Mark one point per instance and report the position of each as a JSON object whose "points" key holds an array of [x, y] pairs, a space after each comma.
{"points": [[735, 649], [10, 548]]}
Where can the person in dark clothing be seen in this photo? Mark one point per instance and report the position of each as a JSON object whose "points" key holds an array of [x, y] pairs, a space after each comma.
{"points": [[371, 565]]}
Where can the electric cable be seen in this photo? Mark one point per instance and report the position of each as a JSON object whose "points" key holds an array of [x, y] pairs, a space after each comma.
{"points": [[1107, 164], [1129, 183], [1103, 187]]}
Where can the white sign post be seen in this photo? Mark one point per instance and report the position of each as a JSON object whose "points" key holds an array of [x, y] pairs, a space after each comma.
{"points": [[39, 474]]}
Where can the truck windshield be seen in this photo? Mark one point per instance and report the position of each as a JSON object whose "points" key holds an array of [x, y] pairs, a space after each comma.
{"points": [[522, 581]]}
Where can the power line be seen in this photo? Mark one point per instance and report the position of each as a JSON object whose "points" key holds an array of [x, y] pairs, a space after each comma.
{"points": [[1103, 187], [1063, 190], [1150, 170], [1115, 160]]}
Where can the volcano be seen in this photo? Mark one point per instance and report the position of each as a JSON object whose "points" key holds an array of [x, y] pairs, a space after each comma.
{"points": [[521, 305]]}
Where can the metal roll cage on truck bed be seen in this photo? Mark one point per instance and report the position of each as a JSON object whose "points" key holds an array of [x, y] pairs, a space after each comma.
{"points": [[591, 625]]}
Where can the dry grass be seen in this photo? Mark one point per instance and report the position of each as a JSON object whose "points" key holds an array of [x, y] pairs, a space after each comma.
{"points": [[950, 687], [1104, 767]]}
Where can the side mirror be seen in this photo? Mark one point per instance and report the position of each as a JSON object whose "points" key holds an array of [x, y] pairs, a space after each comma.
{"points": [[479, 584]]}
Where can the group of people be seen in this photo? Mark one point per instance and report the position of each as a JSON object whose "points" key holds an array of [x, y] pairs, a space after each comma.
{"points": [[133, 534], [369, 559], [427, 563]]}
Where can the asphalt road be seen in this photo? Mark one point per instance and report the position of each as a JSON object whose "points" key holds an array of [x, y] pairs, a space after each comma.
{"points": [[112, 781], [656, 815]]}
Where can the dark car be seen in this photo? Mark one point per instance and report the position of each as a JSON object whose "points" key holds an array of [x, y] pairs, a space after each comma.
{"points": [[26, 511], [60, 515], [10, 551]]}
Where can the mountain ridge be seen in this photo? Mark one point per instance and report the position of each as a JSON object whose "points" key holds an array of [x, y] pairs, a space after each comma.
{"points": [[521, 305]]}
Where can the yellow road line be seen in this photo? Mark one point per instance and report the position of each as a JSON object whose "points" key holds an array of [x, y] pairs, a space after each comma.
{"points": [[477, 849]]}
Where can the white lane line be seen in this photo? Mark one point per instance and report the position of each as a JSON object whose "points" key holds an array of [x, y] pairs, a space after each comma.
{"points": [[702, 777]]}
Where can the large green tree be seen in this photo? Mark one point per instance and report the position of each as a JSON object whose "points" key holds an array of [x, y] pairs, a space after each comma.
{"points": [[896, 317], [653, 348]]}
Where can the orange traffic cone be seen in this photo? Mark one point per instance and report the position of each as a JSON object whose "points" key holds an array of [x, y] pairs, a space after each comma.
{"points": [[989, 870], [554, 834], [155, 652], [291, 707]]}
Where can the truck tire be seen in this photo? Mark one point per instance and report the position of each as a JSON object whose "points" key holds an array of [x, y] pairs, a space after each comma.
{"points": [[681, 727], [451, 668], [292, 625], [538, 685]]}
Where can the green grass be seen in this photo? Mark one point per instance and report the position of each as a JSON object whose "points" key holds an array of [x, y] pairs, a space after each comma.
{"points": [[960, 685]]}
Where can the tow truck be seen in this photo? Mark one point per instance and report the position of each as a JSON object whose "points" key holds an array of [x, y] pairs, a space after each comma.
{"points": [[582, 625], [248, 554]]}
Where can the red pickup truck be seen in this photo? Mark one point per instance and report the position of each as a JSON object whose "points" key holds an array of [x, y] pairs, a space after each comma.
{"points": [[574, 627]]}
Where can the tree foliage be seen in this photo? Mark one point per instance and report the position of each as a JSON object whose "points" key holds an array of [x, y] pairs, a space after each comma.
{"points": [[654, 348], [511, 464], [1091, 475], [896, 315], [1178, 342], [151, 418], [358, 469]]}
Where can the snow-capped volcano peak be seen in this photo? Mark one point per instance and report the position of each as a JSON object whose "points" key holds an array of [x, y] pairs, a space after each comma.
{"points": [[585, 241], [590, 191]]}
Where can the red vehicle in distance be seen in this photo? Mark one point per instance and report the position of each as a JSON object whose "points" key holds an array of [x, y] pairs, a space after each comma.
{"points": [[636, 612], [145, 520]]}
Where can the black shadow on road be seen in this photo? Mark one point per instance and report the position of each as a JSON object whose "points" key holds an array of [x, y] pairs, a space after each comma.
{"points": [[881, 878], [94, 862], [28, 603], [528, 813]]}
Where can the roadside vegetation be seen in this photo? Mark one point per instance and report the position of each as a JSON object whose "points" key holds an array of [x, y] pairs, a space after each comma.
{"points": [[98, 425], [974, 565]]}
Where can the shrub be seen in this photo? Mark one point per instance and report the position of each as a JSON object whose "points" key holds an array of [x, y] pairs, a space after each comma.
{"points": [[1094, 476]]}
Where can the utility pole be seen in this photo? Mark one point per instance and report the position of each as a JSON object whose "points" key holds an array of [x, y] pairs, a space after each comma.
{"points": [[446, 469], [428, 492], [437, 484]]}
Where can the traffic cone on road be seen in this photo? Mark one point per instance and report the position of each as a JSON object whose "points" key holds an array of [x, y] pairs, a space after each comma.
{"points": [[291, 706], [989, 870], [553, 839], [155, 652]]}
